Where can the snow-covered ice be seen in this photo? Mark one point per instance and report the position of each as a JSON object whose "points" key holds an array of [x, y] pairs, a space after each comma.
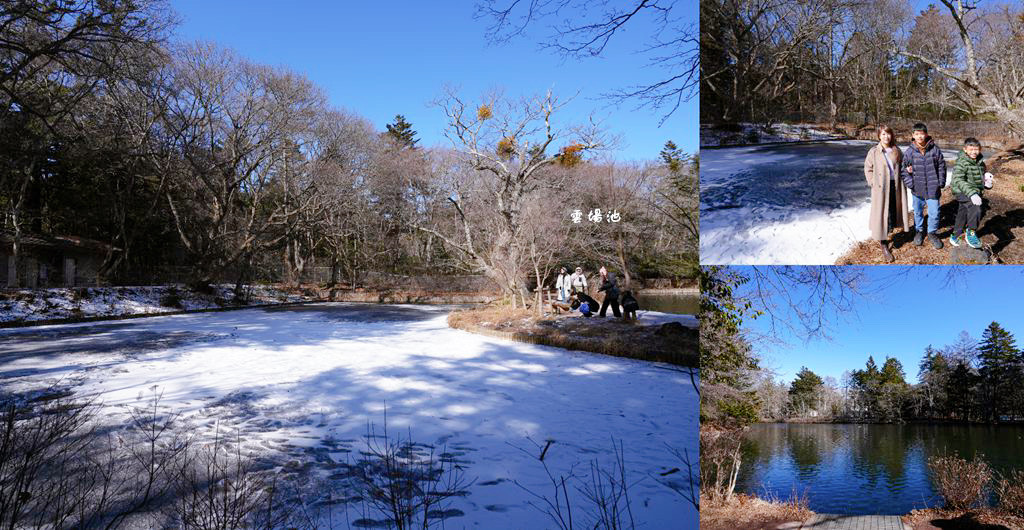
{"points": [[63, 303], [310, 377], [779, 132], [802, 204]]}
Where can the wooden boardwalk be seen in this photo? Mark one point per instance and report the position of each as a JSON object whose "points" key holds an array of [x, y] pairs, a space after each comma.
{"points": [[852, 522]]}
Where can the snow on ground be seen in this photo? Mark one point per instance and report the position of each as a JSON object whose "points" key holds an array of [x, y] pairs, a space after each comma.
{"points": [[306, 380], [62, 303], [801, 204], [750, 133]]}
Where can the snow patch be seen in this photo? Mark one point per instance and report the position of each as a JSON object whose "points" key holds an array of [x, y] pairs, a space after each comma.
{"points": [[20, 305], [750, 133]]}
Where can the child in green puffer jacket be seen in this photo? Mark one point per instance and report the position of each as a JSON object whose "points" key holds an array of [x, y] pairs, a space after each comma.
{"points": [[969, 181]]}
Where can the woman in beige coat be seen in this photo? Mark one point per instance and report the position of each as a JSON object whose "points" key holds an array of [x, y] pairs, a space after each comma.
{"points": [[888, 193]]}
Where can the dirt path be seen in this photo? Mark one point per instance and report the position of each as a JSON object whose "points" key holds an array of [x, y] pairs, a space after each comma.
{"points": [[1001, 230]]}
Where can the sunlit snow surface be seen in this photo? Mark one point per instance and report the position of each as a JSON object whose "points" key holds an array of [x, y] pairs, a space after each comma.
{"points": [[307, 380], [800, 204]]}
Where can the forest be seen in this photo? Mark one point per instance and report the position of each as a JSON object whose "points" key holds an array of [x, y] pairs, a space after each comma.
{"points": [[860, 62], [187, 156], [966, 381]]}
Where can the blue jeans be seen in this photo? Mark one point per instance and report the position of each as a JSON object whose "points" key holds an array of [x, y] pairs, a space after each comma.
{"points": [[933, 214]]}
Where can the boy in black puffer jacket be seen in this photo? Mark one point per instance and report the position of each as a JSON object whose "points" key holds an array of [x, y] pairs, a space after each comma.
{"points": [[969, 182], [924, 174]]}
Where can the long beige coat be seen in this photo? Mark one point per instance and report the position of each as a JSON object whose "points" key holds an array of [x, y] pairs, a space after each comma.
{"points": [[876, 171]]}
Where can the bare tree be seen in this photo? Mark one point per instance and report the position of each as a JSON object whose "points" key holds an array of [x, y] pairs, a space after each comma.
{"points": [[585, 29], [341, 161], [504, 146], [990, 76], [239, 127]]}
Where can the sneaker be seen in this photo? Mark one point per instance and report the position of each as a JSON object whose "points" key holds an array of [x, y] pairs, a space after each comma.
{"points": [[956, 240], [972, 238], [919, 239], [935, 241]]}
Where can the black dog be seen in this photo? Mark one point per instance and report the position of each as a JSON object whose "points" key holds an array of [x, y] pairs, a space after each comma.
{"points": [[629, 305]]}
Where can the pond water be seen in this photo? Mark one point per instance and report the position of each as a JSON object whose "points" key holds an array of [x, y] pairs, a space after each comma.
{"points": [[866, 469], [678, 302]]}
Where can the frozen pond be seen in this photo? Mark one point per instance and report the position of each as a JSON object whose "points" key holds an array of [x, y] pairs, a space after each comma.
{"points": [[799, 204], [302, 383]]}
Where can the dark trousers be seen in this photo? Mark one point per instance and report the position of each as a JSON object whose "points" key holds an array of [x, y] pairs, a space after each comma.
{"points": [[966, 214], [613, 302]]}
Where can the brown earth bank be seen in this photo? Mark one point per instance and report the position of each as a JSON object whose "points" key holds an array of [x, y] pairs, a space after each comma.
{"points": [[670, 343], [748, 512], [385, 296], [936, 519], [1001, 230]]}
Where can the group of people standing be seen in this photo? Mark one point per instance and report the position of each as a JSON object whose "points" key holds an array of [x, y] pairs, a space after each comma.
{"points": [[921, 168], [573, 292]]}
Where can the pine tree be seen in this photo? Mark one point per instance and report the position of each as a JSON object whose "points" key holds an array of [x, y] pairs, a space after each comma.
{"points": [[804, 391], [999, 367], [934, 376], [673, 157], [893, 392], [960, 387], [401, 132]]}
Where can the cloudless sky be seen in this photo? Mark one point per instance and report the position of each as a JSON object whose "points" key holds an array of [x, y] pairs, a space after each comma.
{"points": [[388, 58], [907, 309]]}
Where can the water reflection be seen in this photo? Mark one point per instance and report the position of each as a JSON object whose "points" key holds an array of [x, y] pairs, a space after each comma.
{"points": [[683, 303], [866, 469]]}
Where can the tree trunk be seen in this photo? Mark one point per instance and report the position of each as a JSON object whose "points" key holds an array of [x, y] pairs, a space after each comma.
{"points": [[538, 300], [335, 269]]}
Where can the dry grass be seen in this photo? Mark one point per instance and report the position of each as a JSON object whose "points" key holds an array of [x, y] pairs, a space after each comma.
{"points": [[747, 512], [936, 518], [1010, 490], [962, 483], [610, 336], [1001, 230]]}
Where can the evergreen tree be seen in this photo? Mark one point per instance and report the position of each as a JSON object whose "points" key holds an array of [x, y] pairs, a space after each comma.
{"points": [[960, 387], [804, 391], [865, 389], [401, 132], [893, 392], [726, 357], [999, 367], [673, 157], [934, 375]]}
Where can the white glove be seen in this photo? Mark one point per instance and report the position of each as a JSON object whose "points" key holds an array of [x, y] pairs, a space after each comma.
{"points": [[976, 199], [988, 180]]}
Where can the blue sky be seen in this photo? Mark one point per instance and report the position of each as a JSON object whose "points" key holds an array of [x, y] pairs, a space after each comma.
{"points": [[380, 60], [907, 309]]}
